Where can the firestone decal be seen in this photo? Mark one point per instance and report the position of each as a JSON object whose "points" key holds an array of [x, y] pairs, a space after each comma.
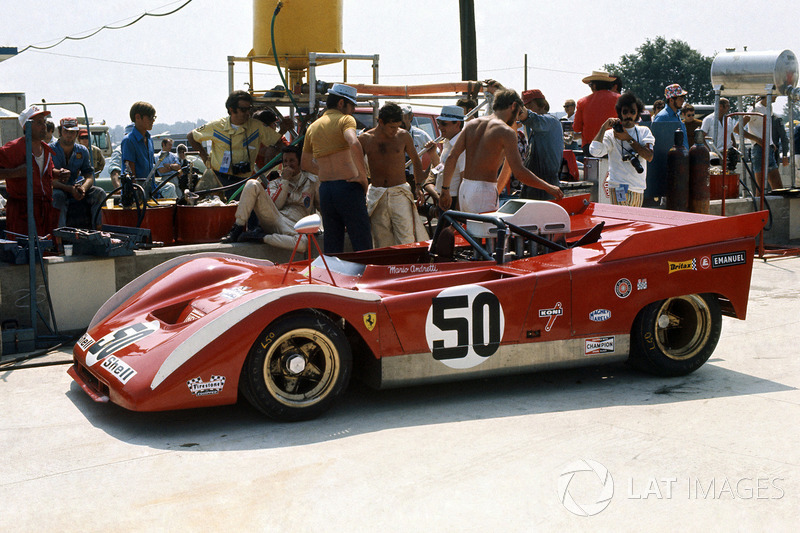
{"points": [[119, 339], [623, 288], [213, 386], [599, 345], [599, 315], [551, 315], [677, 266], [464, 326], [729, 259]]}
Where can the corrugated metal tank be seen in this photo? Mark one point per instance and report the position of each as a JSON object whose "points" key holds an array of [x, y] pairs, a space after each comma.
{"points": [[302, 26], [745, 73]]}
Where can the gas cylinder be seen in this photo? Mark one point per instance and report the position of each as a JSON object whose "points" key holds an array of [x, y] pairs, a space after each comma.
{"points": [[678, 175], [699, 186]]}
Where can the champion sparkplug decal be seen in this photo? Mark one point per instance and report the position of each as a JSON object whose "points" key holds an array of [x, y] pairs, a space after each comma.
{"points": [[599, 345], [119, 339]]}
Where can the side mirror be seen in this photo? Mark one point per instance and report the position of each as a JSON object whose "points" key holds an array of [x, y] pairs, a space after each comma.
{"points": [[310, 224]]}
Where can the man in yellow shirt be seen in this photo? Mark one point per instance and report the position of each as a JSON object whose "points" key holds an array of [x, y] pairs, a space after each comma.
{"points": [[235, 143], [331, 151]]}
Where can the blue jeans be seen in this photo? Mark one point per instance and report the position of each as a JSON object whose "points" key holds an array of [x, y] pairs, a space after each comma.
{"points": [[758, 160], [343, 207]]}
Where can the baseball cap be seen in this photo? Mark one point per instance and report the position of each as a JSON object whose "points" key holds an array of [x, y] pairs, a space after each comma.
{"points": [[532, 94], [29, 113], [345, 91], [69, 124], [674, 91]]}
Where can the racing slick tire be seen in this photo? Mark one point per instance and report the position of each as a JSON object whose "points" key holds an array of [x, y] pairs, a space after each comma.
{"points": [[674, 337], [298, 366]]}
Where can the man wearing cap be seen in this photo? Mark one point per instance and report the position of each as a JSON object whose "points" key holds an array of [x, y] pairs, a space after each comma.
{"points": [[390, 199], [545, 143], [451, 122], [97, 155], [593, 110], [236, 141], [13, 171], [488, 141], [331, 151], [675, 97], [78, 188], [430, 158]]}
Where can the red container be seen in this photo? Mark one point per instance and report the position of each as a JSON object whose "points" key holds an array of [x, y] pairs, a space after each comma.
{"points": [[731, 181], [159, 219], [198, 223]]}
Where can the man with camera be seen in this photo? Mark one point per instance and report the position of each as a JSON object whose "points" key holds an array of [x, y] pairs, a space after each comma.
{"points": [[626, 145], [235, 143]]}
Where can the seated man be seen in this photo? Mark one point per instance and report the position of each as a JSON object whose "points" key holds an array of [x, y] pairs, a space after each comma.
{"points": [[78, 189], [168, 165], [287, 200]]}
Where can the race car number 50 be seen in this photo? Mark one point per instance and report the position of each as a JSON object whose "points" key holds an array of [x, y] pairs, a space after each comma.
{"points": [[464, 326]]}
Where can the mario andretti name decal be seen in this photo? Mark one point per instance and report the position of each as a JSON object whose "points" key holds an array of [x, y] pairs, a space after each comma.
{"points": [[117, 340], [200, 388], [464, 326]]}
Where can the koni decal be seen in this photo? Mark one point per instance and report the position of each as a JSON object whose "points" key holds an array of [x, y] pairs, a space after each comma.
{"points": [[551, 315]]}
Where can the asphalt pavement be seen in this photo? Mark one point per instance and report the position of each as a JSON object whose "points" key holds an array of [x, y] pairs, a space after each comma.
{"points": [[598, 449]]}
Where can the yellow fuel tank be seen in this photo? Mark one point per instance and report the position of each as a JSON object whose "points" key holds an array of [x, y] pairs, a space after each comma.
{"points": [[302, 26]]}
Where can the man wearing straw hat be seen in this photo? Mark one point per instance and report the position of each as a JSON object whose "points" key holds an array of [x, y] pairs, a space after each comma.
{"points": [[593, 110], [331, 151]]}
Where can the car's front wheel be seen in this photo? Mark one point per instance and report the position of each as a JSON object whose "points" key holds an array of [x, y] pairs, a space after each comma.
{"points": [[674, 337], [298, 367]]}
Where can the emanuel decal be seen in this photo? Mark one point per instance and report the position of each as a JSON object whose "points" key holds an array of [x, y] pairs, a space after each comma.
{"points": [[119, 339], [213, 386], [118, 368], [729, 259], [599, 315], [623, 288], [599, 345], [551, 315], [677, 266]]}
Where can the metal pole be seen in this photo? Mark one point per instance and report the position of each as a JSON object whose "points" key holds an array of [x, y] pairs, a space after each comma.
{"points": [[792, 100], [31, 225], [469, 53], [230, 74], [526, 72]]}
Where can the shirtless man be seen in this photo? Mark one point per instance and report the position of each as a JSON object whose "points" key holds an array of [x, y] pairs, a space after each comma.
{"points": [[331, 151], [488, 141], [390, 201]]}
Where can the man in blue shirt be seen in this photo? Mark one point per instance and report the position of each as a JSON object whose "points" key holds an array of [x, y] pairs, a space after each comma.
{"points": [[79, 187], [672, 113], [137, 150], [545, 143]]}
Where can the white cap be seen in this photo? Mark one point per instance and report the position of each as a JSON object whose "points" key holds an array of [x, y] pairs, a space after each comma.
{"points": [[345, 91], [29, 113]]}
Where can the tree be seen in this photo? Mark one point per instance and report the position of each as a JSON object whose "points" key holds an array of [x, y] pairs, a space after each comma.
{"points": [[659, 63]]}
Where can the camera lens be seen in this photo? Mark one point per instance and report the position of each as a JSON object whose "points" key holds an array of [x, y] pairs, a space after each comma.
{"points": [[637, 164]]}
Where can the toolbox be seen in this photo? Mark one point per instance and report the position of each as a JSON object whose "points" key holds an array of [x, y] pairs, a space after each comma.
{"points": [[16, 339]]}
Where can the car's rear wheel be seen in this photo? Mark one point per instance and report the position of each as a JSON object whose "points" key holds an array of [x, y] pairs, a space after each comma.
{"points": [[674, 337], [298, 367]]}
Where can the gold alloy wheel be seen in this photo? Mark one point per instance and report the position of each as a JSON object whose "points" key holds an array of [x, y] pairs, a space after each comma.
{"points": [[683, 326]]}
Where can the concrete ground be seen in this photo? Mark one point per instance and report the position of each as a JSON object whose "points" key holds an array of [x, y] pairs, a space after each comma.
{"points": [[717, 450]]}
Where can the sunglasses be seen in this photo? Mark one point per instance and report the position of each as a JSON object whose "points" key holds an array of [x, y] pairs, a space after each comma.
{"points": [[245, 109]]}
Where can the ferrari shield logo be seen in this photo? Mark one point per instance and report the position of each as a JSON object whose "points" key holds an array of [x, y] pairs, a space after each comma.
{"points": [[370, 319]]}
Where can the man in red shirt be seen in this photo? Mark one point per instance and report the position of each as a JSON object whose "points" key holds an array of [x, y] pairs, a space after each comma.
{"points": [[593, 110], [13, 172]]}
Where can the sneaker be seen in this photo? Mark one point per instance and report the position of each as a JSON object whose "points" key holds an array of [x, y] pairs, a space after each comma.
{"points": [[233, 235]]}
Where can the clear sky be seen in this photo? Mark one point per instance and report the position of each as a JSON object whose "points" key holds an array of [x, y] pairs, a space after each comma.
{"points": [[179, 62]]}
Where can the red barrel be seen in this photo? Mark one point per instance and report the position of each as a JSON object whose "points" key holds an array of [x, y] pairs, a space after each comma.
{"points": [[699, 186], [678, 175], [199, 223], [159, 219]]}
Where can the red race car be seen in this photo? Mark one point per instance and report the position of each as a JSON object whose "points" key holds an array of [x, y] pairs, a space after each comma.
{"points": [[536, 285]]}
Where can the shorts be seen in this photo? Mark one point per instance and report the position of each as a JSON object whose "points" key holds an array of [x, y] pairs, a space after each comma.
{"points": [[757, 152], [478, 196]]}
